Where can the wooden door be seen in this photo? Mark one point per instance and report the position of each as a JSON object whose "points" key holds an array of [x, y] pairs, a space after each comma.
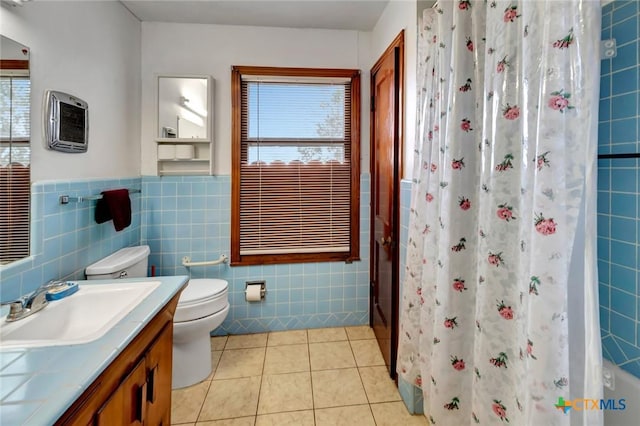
{"points": [[386, 141]]}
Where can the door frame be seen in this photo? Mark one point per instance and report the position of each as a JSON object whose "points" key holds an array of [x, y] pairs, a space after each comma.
{"points": [[397, 43]]}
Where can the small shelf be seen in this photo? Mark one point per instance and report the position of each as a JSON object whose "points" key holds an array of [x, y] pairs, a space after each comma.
{"points": [[200, 164], [185, 160], [193, 172], [182, 141]]}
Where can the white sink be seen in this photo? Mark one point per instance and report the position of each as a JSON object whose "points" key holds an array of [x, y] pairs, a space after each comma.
{"points": [[80, 318]]}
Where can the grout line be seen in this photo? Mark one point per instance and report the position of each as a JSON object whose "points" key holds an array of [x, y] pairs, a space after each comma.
{"points": [[313, 401], [264, 360], [205, 399]]}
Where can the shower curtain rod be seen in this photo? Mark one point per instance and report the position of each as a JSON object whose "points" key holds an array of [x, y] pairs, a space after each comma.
{"points": [[627, 155]]}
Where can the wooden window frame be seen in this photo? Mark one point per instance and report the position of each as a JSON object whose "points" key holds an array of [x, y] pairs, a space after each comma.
{"points": [[353, 254]]}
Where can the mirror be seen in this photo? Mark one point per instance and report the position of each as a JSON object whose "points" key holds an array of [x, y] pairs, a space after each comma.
{"points": [[15, 150], [184, 105]]}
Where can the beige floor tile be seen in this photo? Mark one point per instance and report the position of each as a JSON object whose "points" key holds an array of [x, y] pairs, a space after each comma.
{"points": [[240, 363], [231, 398], [292, 418], [335, 388], [218, 342], [286, 359], [285, 392], [378, 385], [184, 424], [359, 415], [395, 413], [186, 402], [240, 421], [292, 337], [215, 360], [326, 334], [360, 332], [367, 353], [330, 355], [244, 341]]}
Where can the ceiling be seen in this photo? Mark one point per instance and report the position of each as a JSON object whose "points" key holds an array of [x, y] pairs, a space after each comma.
{"points": [[328, 14]]}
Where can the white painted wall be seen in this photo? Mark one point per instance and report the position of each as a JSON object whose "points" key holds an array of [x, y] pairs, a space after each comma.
{"points": [[213, 49], [91, 50], [401, 15]]}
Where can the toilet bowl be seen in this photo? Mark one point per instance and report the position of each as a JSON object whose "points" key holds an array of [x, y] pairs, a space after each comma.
{"points": [[203, 305]]}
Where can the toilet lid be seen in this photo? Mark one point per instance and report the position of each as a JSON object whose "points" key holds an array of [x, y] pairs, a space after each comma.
{"points": [[199, 290]]}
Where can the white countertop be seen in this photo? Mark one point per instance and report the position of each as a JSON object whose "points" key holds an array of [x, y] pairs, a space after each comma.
{"points": [[37, 385]]}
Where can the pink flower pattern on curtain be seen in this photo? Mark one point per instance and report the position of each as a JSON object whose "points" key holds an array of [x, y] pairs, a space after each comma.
{"points": [[507, 94]]}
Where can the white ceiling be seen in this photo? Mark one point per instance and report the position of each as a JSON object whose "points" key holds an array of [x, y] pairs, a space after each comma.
{"points": [[329, 14]]}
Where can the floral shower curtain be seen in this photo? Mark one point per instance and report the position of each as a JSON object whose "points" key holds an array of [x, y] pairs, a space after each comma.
{"points": [[503, 191]]}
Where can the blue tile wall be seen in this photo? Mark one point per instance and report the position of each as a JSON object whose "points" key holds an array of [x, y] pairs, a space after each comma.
{"points": [[619, 189], [65, 238], [190, 216]]}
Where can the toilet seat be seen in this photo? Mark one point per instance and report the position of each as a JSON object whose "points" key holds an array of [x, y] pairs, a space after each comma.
{"points": [[202, 297]]}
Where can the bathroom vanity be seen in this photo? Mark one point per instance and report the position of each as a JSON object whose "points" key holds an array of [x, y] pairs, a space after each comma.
{"points": [[136, 387], [123, 377]]}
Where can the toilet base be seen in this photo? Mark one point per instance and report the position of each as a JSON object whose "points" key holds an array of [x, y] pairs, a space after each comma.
{"points": [[191, 363], [192, 349]]}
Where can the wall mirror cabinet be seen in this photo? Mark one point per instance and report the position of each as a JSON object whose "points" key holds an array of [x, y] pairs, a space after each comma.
{"points": [[184, 124]]}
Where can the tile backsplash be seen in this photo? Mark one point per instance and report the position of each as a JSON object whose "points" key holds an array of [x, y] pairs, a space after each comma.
{"points": [[65, 237], [190, 216], [619, 189]]}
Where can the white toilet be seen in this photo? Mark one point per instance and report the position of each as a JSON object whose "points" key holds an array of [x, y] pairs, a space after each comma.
{"points": [[202, 307]]}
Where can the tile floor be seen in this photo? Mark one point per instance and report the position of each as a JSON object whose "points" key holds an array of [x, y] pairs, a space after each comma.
{"points": [[328, 376]]}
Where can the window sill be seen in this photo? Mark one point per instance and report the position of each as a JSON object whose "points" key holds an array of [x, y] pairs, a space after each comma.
{"points": [[275, 259]]}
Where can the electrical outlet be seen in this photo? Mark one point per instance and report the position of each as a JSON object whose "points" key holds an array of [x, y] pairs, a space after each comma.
{"points": [[608, 378]]}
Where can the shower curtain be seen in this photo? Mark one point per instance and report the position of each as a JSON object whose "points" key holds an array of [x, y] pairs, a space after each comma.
{"points": [[498, 315]]}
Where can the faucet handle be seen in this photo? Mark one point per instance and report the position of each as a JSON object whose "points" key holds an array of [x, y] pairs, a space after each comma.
{"points": [[16, 308], [53, 283]]}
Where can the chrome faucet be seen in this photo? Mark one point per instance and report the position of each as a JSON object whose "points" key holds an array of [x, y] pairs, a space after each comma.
{"points": [[32, 303]]}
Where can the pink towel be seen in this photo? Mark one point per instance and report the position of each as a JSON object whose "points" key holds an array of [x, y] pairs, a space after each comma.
{"points": [[116, 205]]}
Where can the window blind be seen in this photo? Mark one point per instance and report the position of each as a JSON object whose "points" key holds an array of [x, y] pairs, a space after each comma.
{"points": [[15, 108], [15, 177], [14, 212], [296, 172]]}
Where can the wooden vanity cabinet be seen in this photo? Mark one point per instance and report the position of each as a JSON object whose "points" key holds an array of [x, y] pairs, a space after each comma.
{"points": [[136, 388], [127, 404]]}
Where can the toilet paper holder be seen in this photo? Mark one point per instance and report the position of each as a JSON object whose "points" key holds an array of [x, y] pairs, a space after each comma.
{"points": [[261, 283]]}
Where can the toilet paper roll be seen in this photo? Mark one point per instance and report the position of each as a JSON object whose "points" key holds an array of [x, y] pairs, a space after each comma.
{"points": [[252, 294]]}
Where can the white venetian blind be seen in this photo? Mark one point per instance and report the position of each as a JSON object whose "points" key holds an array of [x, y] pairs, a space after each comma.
{"points": [[295, 167]]}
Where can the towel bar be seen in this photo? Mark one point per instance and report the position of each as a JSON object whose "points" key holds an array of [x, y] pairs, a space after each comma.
{"points": [[65, 199]]}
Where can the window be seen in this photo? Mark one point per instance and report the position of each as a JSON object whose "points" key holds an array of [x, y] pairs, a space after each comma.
{"points": [[15, 93], [295, 165]]}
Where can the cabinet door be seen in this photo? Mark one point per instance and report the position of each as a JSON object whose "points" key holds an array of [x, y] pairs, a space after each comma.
{"points": [[159, 364], [127, 405]]}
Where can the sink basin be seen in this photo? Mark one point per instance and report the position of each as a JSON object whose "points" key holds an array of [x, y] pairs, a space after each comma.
{"points": [[80, 318]]}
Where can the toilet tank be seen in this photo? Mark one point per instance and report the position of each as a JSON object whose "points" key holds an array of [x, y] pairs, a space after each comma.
{"points": [[129, 262]]}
